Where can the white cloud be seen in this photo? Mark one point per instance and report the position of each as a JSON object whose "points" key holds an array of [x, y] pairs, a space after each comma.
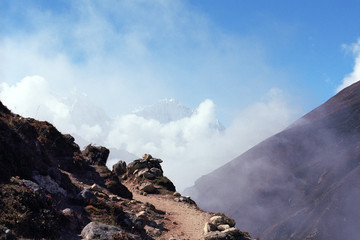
{"points": [[125, 54], [354, 76], [32, 97], [190, 147]]}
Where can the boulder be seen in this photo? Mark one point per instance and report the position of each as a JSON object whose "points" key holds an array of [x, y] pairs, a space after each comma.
{"points": [[222, 219], [147, 187], [49, 184], [146, 174], [119, 168], [136, 165], [209, 227], [216, 236], [156, 172], [96, 155], [85, 195], [235, 232], [217, 220], [97, 230], [115, 187]]}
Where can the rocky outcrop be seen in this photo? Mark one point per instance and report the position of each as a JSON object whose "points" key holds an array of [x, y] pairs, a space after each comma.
{"points": [[96, 155], [49, 189], [147, 172], [119, 168], [221, 227]]}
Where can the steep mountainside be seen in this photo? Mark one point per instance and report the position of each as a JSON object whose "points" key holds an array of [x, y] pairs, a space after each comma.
{"points": [[49, 189], [302, 183]]}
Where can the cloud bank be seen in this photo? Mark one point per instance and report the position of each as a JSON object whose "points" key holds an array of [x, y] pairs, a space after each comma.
{"points": [[125, 54], [354, 76], [190, 147]]}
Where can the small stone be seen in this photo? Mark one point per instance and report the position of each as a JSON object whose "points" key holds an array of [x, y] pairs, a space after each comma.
{"points": [[177, 194], [217, 220], [142, 215], [209, 227], [223, 227], [68, 212], [147, 157], [96, 187]]}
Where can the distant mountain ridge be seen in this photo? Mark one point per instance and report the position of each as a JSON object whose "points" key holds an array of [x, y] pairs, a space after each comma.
{"points": [[169, 110], [301, 183]]}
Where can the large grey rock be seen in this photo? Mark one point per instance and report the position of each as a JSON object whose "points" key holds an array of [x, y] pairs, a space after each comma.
{"points": [[97, 230], [119, 168], [49, 184]]}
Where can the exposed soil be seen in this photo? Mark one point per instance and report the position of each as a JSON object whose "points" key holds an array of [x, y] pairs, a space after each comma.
{"points": [[182, 220]]}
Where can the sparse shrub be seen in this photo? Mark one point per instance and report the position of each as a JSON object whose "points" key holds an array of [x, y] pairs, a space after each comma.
{"points": [[29, 214], [106, 212]]}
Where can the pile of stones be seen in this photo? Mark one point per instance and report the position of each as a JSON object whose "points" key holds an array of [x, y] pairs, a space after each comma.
{"points": [[147, 171], [221, 227]]}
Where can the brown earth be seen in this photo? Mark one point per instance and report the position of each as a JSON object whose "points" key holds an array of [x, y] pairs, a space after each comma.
{"points": [[182, 220]]}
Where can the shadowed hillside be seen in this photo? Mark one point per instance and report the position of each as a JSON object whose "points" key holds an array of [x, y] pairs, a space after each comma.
{"points": [[49, 189], [302, 183]]}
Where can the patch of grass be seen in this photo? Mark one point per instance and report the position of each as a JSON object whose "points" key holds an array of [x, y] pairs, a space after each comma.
{"points": [[106, 212], [28, 213]]}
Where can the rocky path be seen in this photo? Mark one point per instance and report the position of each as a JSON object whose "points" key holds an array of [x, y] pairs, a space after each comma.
{"points": [[183, 220]]}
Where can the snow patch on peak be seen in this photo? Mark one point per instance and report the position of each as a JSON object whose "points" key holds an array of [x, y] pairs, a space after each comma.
{"points": [[164, 111]]}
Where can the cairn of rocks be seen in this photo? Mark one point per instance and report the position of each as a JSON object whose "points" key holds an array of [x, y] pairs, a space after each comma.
{"points": [[147, 171], [221, 227]]}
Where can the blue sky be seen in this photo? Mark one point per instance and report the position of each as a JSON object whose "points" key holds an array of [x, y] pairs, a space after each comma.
{"points": [[232, 52], [254, 65]]}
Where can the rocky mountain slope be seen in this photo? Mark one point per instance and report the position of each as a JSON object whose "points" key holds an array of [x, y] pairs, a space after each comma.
{"points": [[302, 183], [49, 189]]}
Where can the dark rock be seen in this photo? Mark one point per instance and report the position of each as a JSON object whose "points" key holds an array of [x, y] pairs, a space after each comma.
{"points": [[146, 174], [216, 236], [119, 168], [156, 172], [135, 222], [147, 187], [165, 182], [115, 187], [86, 195], [96, 155], [135, 165]]}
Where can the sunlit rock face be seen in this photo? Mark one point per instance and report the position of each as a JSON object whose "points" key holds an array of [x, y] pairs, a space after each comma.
{"points": [[299, 184]]}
